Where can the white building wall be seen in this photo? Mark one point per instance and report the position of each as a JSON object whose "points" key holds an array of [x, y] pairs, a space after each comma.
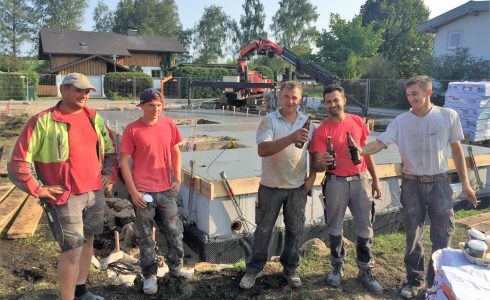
{"points": [[156, 81], [214, 217], [476, 35]]}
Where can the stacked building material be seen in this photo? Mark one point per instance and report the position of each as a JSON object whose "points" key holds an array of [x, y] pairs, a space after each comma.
{"points": [[472, 102]]}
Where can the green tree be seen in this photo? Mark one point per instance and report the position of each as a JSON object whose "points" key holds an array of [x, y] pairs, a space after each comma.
{"points": [[15, 29], [211, 35], [123, 17], [460, 65], [348, 47], [403, 46], [251, 24], [103, 17], [292, 23], [67, 14], [150, 17], [185, 38]]}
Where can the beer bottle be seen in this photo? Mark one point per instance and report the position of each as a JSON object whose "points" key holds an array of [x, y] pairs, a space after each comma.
{"points": [[306, 126], [331, 151], [354, 152]]}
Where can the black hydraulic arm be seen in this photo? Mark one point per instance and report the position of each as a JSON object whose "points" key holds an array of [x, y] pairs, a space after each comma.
{"points": [[318, 73]]}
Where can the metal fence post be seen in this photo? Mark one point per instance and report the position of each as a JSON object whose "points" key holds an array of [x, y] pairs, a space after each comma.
{"points": [[189, 95], [134, 88]]}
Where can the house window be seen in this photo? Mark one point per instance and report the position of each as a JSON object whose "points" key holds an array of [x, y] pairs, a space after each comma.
{"points": [[455, 39], [156, 73]]}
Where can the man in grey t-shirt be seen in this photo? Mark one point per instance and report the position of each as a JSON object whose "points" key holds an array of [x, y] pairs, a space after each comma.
{"points": [[423, 136], [283, 184]]}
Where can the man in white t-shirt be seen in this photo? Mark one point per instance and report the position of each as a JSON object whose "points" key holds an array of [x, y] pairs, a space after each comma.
{"points": [[423, 135]]}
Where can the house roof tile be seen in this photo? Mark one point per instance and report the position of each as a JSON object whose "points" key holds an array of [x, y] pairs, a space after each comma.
{"points": [[70, 42]]}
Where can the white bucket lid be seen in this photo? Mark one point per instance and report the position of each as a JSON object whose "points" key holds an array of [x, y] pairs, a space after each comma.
{"points": [[477, 245], [476, 234]]}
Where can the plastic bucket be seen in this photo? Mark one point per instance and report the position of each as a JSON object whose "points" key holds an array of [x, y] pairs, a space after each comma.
{"points": [[477, 248]]}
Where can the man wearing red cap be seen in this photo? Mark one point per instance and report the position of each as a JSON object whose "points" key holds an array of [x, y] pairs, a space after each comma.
{"points": [[75, 158], [153, 184]]}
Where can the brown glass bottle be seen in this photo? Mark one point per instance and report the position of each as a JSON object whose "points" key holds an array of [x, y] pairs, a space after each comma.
{"points": [[331, 151], [354, 152], [306, 126]]}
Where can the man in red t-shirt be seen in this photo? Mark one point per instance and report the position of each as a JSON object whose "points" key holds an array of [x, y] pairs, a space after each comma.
{"points": [[75, 158], [152, 142], [346, 186]]}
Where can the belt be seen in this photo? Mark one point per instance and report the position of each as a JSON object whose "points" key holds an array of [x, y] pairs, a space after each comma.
{"points": [[426, 178], [344, 178]]}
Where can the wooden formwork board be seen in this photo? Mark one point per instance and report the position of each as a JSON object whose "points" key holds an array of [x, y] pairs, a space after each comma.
{"points": [[5, 191], [26, 222], [480, 222], [9, 207], [241, 186]]}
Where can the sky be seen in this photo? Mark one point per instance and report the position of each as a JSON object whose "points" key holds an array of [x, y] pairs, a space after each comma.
{"points": [[190, 11]]}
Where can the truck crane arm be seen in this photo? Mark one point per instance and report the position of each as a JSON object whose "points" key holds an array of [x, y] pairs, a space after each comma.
{"points": [[269, 48]]}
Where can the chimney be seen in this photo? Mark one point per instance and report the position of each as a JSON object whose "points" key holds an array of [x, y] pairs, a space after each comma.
{"points": [[132, 31]]}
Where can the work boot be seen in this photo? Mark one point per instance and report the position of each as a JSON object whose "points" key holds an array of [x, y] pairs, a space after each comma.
{"points": [[334, 277], [293, 280], [182, 273], [150, 285], [89, 296], [248, 280], [367, 279], [410, 291]]}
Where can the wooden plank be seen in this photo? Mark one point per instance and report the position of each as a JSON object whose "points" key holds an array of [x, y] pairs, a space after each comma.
{"points": [[481, 160], [241, 186], [10, 206], [26, 222], [6, 153], [6, 190]]}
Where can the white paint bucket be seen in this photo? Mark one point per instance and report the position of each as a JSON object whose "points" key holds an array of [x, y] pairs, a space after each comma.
{"points": [[477, 248]]}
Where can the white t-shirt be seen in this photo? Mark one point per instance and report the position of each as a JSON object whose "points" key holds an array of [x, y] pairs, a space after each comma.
{"points": [[287, 168], [423, 142]]}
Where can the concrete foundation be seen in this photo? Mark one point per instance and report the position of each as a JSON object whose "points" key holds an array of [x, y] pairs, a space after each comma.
{"points": [[212, 210]]}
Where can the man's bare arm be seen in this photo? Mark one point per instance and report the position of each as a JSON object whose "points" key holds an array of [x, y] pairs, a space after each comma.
{"points": [[372, 148], [460, 164]]}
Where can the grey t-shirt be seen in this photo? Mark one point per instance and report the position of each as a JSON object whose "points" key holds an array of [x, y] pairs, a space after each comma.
{"points": [[423, 142], [287, 168]]}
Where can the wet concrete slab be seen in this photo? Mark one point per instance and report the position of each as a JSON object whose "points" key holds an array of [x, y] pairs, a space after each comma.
{"points": [[240, 162]]}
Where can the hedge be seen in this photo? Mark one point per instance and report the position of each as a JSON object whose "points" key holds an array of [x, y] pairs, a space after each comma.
{"points": [[13, 86], [119, 86]]}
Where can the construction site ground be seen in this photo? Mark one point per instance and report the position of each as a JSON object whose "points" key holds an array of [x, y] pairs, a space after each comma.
{"points": [[28, 271], [28, 266]]}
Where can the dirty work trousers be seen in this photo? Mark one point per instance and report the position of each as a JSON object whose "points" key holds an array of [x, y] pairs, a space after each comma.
{"points": [[352, 192], [269, 203], [163, 212], [418, 199]]}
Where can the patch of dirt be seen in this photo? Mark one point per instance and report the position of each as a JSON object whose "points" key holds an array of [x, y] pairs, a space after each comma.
{"points": [[205, 143], [28, 271], [23, 266], [198, 121], [11, 126]]}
